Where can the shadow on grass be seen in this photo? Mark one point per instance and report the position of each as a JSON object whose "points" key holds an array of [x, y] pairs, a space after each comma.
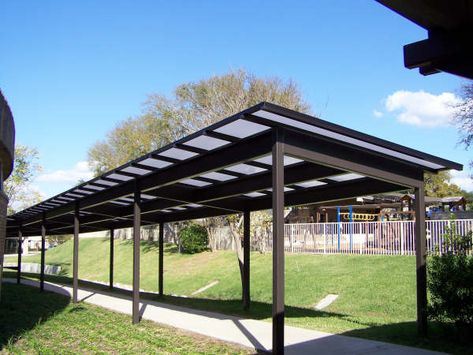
{"points": [[442, 337], [20, 314]]}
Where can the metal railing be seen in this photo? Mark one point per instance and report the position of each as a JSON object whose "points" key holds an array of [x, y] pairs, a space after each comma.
{"points": [[376, 238]]}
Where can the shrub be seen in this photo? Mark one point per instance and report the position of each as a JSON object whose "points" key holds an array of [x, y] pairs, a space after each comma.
{"points": [[194, 239], [450, 281]]}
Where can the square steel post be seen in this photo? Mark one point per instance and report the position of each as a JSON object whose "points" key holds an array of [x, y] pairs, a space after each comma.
{"points": [[136, 255], [43, 247], [112, 245], [75, 255], [421, 255], [20, 251], [161, 258], [246, 260], [278, 241]]}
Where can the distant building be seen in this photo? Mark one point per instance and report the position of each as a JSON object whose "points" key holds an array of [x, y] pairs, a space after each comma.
{"points": [[392, 207]]}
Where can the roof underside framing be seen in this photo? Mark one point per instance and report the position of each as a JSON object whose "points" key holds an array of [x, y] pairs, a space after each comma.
{"points": [[226, 168]]}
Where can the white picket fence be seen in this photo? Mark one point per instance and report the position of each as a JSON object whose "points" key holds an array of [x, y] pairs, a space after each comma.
{"points": [[377, 238]]}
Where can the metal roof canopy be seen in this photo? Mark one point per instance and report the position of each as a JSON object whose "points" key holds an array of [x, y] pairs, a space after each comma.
{"points": [[264, 157], [227, 168], [450, 28]]}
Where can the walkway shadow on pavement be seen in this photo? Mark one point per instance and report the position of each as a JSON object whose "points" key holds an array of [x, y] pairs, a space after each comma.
{"points": [[20, 314], [441, 337]]}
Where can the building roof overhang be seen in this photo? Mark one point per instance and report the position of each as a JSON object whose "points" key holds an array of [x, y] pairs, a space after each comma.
{"points": [[449, 25]]}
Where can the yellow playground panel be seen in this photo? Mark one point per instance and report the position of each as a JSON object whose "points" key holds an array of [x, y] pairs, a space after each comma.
{"points": [[359, 216]]}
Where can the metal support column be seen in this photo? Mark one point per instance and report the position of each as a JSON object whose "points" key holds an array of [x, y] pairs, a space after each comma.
{"points": [[421, 271], [278, 242], [43, 247], [20, 251], [75, 255], [246, 260], [161, 258], [112, 245], [136, 255]]}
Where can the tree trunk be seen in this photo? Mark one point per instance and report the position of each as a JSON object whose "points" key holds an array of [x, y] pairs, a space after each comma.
{"points": [[238, 245]]}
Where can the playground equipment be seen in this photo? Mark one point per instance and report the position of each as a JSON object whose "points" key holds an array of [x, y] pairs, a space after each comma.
{"points": [[361, 217], [350, 216]]}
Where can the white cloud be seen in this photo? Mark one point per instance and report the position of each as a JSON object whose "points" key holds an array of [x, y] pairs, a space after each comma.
{"points": [[377, 114], [462, 179], [421, 108], [79, 171]]}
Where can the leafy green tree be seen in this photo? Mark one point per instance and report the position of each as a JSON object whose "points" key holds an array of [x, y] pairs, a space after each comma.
{"points": [[464, 115], [18, 185], [439, 185], [194, 105]]}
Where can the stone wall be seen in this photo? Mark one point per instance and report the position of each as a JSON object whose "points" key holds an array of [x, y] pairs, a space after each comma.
{"points": [[3, 213], [7, 153]]}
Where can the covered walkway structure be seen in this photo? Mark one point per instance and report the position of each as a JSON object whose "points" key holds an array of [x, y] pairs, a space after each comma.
{"points": [[266, 157]]}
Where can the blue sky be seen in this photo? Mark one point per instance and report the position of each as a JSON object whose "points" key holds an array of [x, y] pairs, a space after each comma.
{"points": [[72, 70]]}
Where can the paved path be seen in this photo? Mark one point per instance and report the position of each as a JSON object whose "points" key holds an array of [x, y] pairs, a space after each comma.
{"points": [[247, 332]]}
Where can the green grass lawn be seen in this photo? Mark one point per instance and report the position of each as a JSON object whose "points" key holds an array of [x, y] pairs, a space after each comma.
{"points": [[376, 293], [45, 323]]}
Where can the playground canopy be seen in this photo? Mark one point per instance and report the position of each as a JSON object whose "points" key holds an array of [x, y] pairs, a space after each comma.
{"points": [[264, 157]]}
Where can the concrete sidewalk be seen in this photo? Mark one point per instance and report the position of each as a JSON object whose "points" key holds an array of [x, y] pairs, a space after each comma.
{"points": [[247, 332]]}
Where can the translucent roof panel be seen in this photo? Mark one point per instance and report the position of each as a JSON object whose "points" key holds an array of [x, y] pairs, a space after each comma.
{"points": [[73, 195], [155, 163], [311, 183], [119, 177], [245, 169], [105, 182], [126, 199], [51, 204], [65, 198], [194, 182], [340, 137], [254, 194], [79, 191], [135, 170], [346, 177], [94, 187], [268, 159], [242, 128], [179, 154], [193, 205], [218, 176], [206, 142], [286, 189], [147, 197]]}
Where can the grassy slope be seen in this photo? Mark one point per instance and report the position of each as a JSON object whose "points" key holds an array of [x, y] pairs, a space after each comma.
{"points": [[376, 293], [46, 323]]}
